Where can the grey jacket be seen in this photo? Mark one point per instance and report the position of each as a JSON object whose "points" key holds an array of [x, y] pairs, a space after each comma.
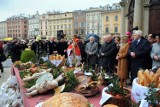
{"points": [[91, 47], [155, 51]]}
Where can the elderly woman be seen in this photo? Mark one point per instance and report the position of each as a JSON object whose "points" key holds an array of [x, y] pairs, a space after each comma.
{"points": [[155, 52], [122, 70], [91, 50]]}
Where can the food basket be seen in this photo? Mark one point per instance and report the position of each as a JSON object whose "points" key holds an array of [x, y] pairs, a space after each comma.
{"points": [[107, 98], [138, 91]]}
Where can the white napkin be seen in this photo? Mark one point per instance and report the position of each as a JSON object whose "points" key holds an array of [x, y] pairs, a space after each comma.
{"points": [[39, 104], [144, 103], [138, 91], [45, 58], [56, 62], [77, 70], [105, 96], [87, 73]]}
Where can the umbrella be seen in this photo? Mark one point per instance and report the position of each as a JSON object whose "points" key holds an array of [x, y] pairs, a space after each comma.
{"points": [[93, 35], [7, 39]]}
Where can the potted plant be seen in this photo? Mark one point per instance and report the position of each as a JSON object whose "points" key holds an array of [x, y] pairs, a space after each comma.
{"points": [[153, 97], [27, 55]]}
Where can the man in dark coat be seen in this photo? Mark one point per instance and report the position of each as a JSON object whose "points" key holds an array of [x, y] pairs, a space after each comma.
{"points": [[16, 49], [107, 53], [91, 50], [138, 51], [38, 47], [51, 46], [1, 52], [81, 45], [62, 47]]}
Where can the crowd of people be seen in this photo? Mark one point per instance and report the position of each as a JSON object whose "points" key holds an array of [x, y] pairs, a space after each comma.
{"points": [[128, 53]]}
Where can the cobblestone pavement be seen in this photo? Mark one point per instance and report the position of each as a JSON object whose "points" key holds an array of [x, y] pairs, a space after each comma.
{"points": [[5, 75]]}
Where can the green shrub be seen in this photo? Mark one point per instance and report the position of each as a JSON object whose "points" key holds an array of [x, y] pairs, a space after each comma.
{"points": [[27, 55]]}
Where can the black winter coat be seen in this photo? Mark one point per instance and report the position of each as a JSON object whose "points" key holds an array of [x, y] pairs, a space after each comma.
{"points": [[142, 50], [109, 49]]}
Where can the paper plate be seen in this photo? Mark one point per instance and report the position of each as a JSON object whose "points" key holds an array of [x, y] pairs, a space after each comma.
{"points": [[44, 77]]}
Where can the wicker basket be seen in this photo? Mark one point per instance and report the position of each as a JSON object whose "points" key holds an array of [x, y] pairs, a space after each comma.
{"points": [[65, 68]]}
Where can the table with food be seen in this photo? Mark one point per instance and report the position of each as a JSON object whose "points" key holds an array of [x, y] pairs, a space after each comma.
{"points": [[49, 85]]}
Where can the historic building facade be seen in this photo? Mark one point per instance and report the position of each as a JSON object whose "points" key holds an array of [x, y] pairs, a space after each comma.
{"points": [[60, 22], [34, 25], [44, 29], [94, 21], [111, 19], [145, 14], [79, 20], [17, 27], [3, 29]]}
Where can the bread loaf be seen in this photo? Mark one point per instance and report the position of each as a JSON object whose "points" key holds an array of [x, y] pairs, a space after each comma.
{"points": [[66, 100]]}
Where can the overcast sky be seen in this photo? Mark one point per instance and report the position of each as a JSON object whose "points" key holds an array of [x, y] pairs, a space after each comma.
{"points": [[15, 7]]}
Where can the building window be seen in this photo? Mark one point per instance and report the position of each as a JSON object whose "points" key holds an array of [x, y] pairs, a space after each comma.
{"points": [[116, 18], [93, 18], [87, 32], [98, 32], [82, 31], [76, 24], [107, 29], [76, 31], [87, 25], [99, 18], [107, 18], [46, 33], [116, 29], [82, 24]]}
